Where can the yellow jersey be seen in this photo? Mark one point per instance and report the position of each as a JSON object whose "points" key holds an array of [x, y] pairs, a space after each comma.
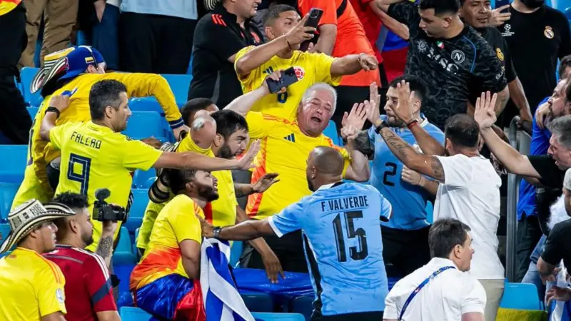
{"points": [[30, 287], [8, 5], [176, 222], [40, 153], [95, 157], [221, 212], [284, 149], [311, 68]]}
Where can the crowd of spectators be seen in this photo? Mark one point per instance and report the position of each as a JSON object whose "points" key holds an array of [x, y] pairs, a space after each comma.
{"points": [[414, 192]]}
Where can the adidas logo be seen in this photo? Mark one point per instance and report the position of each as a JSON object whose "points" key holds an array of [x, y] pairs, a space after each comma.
{"points": [[269, 70], [290, 138]]}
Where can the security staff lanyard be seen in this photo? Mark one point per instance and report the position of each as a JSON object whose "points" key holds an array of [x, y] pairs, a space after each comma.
{"points": [[427, 280]]}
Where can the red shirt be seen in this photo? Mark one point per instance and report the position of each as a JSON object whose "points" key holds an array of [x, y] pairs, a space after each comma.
{"points": [[371, 24], [88, 285]]}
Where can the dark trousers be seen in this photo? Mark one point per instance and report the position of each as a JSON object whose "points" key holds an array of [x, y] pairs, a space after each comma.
{"points": [[15, 121], [406, 250], [105, 37], [288, 249], [155, 44], [528, 234], [362, 316]]}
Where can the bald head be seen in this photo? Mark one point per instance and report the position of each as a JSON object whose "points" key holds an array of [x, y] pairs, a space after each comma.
{"points": [[328, 161], [203, 131]]}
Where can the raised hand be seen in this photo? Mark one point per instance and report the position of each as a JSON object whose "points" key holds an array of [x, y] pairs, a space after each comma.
{"points": [[497, 17], [541, 114], [300, 33], [357, 115], [349, 133], [367, 62], [404, 102], [373, 112], [265, 182], [485, 110], [247, 161]]}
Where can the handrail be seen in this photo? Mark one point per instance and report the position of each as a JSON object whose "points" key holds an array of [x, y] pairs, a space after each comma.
{"points": [[511, 203]]}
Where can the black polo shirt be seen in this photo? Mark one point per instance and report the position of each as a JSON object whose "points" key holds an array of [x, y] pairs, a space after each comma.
{"points": [[536, 41], [448, 66], [558, 245], [217, 37]]}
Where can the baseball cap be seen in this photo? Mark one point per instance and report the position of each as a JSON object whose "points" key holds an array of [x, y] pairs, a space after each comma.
{"points": [[66, 63]]}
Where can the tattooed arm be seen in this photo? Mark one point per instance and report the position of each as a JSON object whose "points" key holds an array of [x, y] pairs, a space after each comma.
{"points": [[105, 246], [425, 164]]}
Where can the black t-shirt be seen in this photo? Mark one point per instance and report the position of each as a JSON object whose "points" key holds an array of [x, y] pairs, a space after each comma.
{"points": [[551, 175], [218, 37], [557, 246], [448, 66], [536, 41]]}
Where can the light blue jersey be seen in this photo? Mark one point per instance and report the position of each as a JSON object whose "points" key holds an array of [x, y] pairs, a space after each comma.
{"points": [[342, 242], [409, 201]]}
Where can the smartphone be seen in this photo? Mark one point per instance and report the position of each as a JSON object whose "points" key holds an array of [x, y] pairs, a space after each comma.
{"points": [[287, 78], [314, 19], [500, 3]]}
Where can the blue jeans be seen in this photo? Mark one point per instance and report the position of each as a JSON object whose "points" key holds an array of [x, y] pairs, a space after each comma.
{"points": [[105, 38], [532, 275]]}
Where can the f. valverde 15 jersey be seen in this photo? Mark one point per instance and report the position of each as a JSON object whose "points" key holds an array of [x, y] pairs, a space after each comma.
{"points": [[342, 240], [95, 157]]}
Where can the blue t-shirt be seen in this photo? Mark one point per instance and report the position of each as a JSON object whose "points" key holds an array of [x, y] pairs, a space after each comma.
{"points": [[342, 242], [527, 193], [409, 201]]}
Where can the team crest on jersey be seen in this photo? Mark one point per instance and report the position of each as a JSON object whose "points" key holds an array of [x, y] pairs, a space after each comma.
{"points": [[500, 55], [422, 46], [300, 72], [548, 32], [458, 56], [60, 295], [507, 32]]}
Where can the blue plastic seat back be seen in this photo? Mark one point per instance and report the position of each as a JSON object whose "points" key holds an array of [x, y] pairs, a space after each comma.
{"points": [[33, 110], [141, 178], [235, 253], [4, 231], [145, 124], [332, 133], [134, 314], [180, 86], [520, 296], [13, 163], [259, 316], [257, 301], [26, 75], [145, 104], [302, 305], [140, 201], [7, 194]]}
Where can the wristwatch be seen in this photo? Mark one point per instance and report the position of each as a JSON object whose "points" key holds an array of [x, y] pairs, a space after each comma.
{"points": [[381, 126], [53, 109], [216, 231]]}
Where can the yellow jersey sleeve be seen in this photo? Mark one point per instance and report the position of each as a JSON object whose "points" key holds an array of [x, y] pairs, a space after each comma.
{"points": [[247, 81], [183, 219], [322, 64], [259, 125], [137, 155], [59, 134], [141, 85], [49, 286], [151, 213]]}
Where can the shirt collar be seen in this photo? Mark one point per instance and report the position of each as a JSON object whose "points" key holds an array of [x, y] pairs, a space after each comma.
{"points": [[330, 185], [100, 128], [229, 17], [438, 261]]}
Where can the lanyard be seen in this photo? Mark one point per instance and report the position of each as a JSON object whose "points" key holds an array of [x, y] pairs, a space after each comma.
{"points": [[427, 280]]}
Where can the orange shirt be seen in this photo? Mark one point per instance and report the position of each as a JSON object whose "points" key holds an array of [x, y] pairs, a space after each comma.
{"points": [[350, 39]]}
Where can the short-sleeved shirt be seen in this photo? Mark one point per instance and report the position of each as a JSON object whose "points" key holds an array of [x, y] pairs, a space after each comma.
{"points": [[95, 157], [371, 24], [217, 38], [30, 286], [471, 195], [88, 284], [445, 298], [536, 41], [550, 175], [284, 150], [557, 246], [310, 68], [450, 67], [350, 37], [176, 222], [409, 201], [342, 241]]}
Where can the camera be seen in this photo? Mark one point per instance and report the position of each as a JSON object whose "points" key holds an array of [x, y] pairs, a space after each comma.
{"points": [[102, 211]]}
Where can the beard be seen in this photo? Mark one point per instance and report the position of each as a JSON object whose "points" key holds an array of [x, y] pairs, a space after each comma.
{"points": [[208, 194], [533, 4], [225, 152], [310, 185], [395, 122], [87, 239]]}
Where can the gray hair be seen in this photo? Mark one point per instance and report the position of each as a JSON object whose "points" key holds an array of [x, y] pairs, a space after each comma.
{"points": [[560, 128], [321, 87]]}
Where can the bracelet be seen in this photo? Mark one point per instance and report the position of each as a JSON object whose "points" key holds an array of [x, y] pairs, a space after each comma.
{"points": [[412, 124], [381, 126], [53, 109]]}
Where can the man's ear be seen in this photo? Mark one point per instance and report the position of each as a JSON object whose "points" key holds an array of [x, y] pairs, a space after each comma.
{"points": [[269, 32], [218, 140], [73, 225]]}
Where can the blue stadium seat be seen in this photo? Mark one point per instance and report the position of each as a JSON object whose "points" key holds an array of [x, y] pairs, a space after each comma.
{"points": [[180, 86], [278, 316], [33, 110], [140, 201], [7, 194], [302, 305], [135, 243], [145, 124], [257, 301], [4, 231], [26, 75], [12, 168], [124, 251], [146, 104], [332, 133], [141, 178], [520, 296], [133, 314], [235, 252]]}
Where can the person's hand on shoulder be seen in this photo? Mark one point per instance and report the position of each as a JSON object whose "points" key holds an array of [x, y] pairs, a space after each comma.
{"points": [[61, 102]]}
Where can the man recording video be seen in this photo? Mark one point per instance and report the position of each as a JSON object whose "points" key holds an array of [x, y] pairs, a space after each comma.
{"points": [[96, 155], [88, 283]]}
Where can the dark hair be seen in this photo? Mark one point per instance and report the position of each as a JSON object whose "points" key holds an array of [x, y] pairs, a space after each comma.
{"points": [[103, 94], [560, 128], [441, 6], [444, 235], [564, 62], [178, 179], [462, 130], [72, 200], [416, 85], [568, 89], [274, 12], [192, 106], [228, 122]]}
